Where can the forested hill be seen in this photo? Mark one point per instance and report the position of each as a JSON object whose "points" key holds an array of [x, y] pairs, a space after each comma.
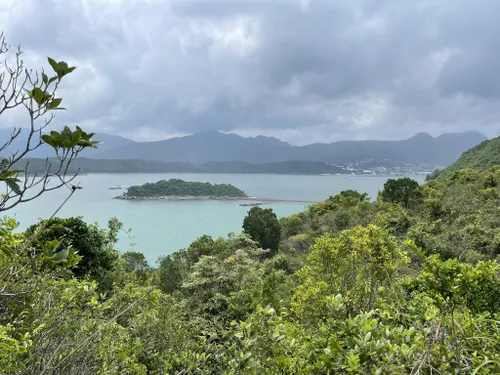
{"points": [[480, 157]]}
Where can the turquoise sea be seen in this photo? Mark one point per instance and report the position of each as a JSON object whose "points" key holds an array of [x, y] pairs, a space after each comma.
{"points": [[162, 227]]}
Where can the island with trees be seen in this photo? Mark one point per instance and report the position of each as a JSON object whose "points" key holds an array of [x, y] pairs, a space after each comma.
{"points": [[176, 189], [179, 190]]}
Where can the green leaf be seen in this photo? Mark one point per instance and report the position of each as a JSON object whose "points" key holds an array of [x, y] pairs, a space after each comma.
{"points": [[54, 65], [50, 141], [45, 79], [50, 247], [56, 136], [38, 95], [4, 163], [14, 186], [61, 256], [55, 103], [486, 362], [75, 138], [10, 173]]}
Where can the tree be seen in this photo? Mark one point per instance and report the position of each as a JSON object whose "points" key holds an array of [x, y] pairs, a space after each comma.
{"points": [[36, 93], [404, 191], [172, 270], [262, 225], [360, 264], [202, 246], [93, 244], [135, 262]]}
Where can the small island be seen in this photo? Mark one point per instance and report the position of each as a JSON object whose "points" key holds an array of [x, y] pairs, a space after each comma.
{"points": [[175, 189], [179, 190]]}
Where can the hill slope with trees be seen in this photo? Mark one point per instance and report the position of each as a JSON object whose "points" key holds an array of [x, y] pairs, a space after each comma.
{"points": [[481, 157]]}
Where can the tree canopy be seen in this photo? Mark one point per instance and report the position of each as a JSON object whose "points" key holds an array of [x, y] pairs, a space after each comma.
{"points": [[262, 225]]}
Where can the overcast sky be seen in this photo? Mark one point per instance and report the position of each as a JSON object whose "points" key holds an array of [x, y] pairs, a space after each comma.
{"points": [[301, 70]]}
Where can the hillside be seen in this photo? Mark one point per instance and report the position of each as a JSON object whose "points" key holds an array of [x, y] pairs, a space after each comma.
{"points": [[214, 146], [481, 157]]}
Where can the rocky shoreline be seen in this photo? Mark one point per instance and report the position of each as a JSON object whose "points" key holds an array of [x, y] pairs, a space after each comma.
{"points": [[207, 198], [178, 198]]}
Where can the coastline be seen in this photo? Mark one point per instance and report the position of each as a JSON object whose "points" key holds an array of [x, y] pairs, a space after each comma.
{"points": [[207, 198]]}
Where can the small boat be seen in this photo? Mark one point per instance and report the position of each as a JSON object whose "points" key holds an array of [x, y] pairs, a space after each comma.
{"points": [[115, 188]]}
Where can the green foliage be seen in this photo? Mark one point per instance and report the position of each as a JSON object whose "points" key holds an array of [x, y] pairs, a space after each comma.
{"points": [[291, 225], [347, 198], [460, 217], [172, 270], [175, 187], [94, 246], [433, 175], [262, 225], [69, 140], [360, 264], [452, 284], [481, 157], [404, 191], [136, 262]]}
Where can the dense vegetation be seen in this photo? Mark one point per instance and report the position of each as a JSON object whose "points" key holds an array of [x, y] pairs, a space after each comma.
{"points": [[176, 187], [86, 165], [406, 284], [481, 157]]}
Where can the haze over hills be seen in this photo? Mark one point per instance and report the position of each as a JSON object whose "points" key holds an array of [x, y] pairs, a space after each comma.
{"points": [[207, 147], [214, 146]]}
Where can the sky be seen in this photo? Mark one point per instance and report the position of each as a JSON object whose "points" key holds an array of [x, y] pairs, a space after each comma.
{"points": [[303, 71]]}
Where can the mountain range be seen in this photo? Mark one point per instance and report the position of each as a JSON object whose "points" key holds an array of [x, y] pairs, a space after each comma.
{"points": [[220, 147]]}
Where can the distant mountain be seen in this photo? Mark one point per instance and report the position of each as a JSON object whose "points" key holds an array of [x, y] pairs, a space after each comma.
{"points": [[109, 143], [205, 147], [219, 147], [89, 165], [481, 157], [215, 146]]}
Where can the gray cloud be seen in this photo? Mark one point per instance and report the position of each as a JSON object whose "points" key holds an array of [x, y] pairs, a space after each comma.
{"points": [[304, 71]]}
